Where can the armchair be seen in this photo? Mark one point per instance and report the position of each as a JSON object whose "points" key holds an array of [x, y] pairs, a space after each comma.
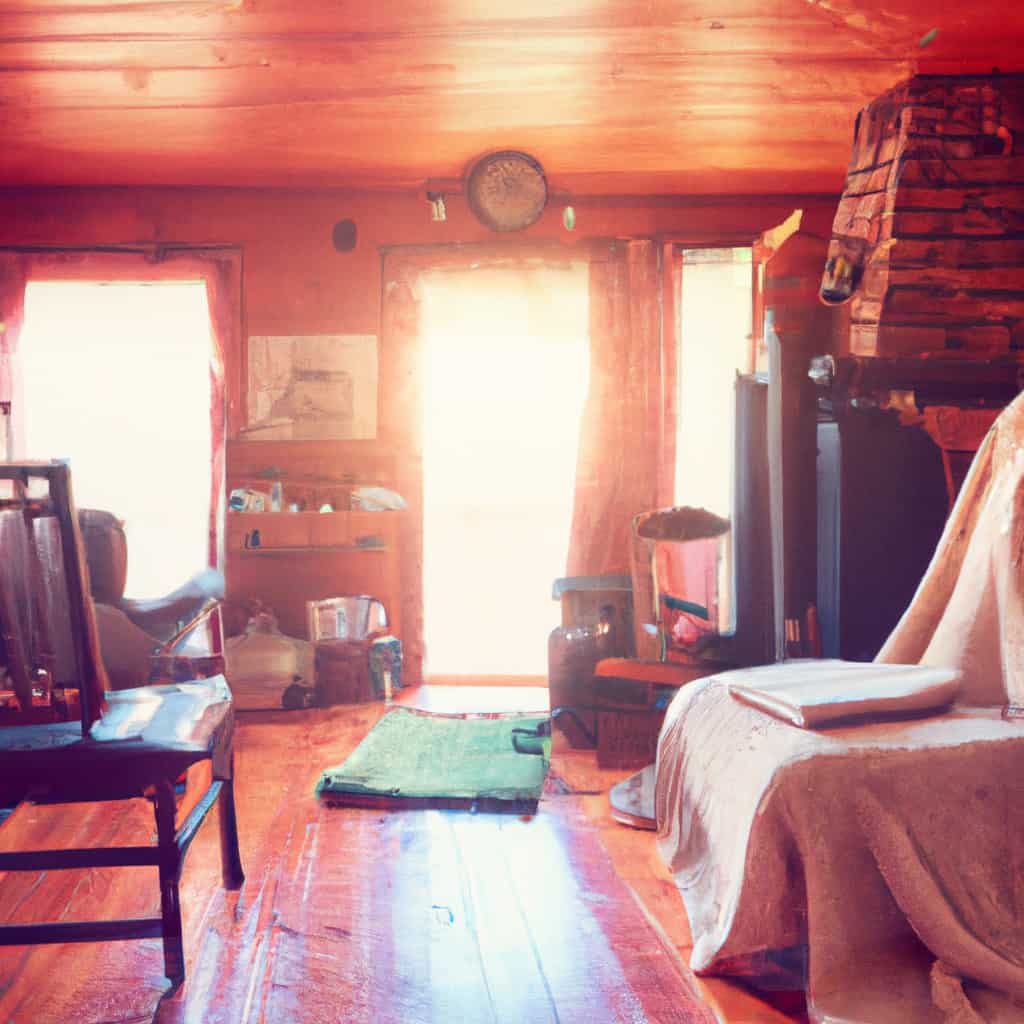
{"points": [[131, 744], [135, 632], [876, 862]]}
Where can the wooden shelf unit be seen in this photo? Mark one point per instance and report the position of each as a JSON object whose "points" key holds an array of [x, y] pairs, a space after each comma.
{"points": [[346, 562], [299, 548]]}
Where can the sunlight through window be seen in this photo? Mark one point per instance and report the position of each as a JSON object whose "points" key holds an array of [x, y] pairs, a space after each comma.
{"points": [[116, 377], [714, 345]]}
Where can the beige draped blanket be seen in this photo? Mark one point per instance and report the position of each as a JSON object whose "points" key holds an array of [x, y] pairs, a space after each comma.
{"points": [[891, 855]]}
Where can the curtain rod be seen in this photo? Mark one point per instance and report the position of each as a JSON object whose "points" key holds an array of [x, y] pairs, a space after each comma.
{"points": [[140, 248]]}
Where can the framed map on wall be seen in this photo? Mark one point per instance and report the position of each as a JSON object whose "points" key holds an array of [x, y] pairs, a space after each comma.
{"points": [[312, 387]]}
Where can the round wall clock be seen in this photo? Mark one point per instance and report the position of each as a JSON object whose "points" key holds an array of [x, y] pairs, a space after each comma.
{"points": [[507, 191]]}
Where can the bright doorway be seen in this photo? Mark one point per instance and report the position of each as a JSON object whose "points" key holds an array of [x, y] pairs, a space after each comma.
{"points": [[117, 378], [505, 371]]}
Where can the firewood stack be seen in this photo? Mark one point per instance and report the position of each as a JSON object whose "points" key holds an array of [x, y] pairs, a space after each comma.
{"points": [[932, 222]]}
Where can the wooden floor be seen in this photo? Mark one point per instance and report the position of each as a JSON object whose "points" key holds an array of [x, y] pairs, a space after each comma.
{"points": [[352, 915]]}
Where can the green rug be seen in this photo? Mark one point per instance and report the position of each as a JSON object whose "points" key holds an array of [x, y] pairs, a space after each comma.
{"points": [[410, 758]]}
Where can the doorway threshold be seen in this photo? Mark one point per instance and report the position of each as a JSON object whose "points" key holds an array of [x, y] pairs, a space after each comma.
{"points": [[480, 679], [441, 699]]}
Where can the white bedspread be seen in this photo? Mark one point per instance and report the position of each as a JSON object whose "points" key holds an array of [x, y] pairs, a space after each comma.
{"points": [[893, 853]]}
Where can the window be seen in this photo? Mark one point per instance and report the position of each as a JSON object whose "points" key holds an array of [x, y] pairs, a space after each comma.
{"points": [[116, 377], [715, 344]]}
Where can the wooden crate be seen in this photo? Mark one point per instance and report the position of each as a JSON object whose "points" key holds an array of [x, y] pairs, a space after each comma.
{"points": [[628, 738]]}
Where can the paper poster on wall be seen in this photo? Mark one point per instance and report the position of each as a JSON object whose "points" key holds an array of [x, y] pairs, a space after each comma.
{"points": [[312, 387]]}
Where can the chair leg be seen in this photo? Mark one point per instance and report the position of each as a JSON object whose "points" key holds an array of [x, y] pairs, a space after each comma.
{"points": [[170, 870], [232, 874]]}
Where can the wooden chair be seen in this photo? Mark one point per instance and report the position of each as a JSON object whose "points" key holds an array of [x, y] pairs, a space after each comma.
{"points": [[130, 744]]}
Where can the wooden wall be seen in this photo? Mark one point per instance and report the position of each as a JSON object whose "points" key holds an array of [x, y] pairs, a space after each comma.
{"points": [[294, 282]]}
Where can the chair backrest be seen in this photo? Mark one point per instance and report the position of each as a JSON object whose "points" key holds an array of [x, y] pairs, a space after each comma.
{"points": [[49, 648], [968, 612]]}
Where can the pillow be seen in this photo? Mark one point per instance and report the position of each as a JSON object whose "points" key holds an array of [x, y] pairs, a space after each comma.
{"points": [[816, 693]]}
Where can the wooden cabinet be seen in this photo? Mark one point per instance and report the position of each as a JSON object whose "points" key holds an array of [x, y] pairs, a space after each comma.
{"points": [[288, 558]]}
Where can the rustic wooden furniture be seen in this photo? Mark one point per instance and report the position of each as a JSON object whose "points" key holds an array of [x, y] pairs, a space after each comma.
{"points": [[629, 699], [127, 745], [306, 556]]}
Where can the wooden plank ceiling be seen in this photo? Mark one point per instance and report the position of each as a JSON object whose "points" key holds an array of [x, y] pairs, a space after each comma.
{"points": [[613, 96]]}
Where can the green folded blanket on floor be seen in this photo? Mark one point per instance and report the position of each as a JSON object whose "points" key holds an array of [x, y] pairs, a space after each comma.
{"points": [[410, 754]]}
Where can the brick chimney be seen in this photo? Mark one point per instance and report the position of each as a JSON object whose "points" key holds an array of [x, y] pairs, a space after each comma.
{"points": [[927, 253]]}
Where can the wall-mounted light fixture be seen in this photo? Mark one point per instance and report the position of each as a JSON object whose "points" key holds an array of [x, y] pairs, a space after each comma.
{"points": [[437, 207]]}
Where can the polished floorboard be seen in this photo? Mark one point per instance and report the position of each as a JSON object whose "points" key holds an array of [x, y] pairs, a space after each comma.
{"points": [[356, 915]]}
